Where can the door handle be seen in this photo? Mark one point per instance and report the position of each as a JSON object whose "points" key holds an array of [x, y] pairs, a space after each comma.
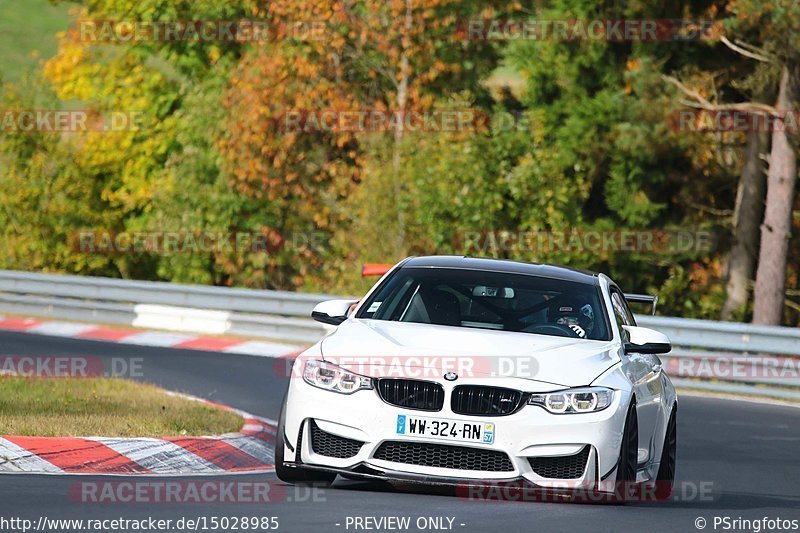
{"points": [[655, 372]]}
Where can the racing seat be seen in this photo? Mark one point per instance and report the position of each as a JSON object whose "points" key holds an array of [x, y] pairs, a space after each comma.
{"points": [[443, 308], [435, 306]]}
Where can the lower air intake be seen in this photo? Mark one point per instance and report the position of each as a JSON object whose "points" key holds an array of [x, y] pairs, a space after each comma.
{"points": [[330, 445], [561, 467], [443, 456]]}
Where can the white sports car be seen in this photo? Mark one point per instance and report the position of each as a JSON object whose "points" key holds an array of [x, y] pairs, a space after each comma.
{"points": [[461, 370]]}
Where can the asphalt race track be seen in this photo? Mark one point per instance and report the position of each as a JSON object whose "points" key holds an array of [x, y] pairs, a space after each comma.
{"points": [[736, 459]]}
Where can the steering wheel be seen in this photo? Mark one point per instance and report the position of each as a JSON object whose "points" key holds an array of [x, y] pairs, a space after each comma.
{"points": [[559, 330]]}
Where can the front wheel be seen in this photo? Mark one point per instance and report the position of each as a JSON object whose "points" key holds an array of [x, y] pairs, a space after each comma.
{"points": [[665, 479], [627, 488], [296, 476]]}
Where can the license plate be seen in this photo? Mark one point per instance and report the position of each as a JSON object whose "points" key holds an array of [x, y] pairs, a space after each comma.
{"points": [[445, 429]]}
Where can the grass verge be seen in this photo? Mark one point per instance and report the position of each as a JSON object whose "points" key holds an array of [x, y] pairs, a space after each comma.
{"points": [[87, 407], [28, 33]]}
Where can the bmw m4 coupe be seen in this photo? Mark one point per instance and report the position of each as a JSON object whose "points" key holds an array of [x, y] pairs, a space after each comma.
{"points": [[458, 370]]}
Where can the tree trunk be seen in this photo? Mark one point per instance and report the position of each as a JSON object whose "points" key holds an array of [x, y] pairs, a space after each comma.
{"points": [[402, 102], [746, 220], [771, 276]]}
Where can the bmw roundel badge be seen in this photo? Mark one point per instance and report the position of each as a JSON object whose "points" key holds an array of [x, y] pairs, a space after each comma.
{"points": [[451, 376]]}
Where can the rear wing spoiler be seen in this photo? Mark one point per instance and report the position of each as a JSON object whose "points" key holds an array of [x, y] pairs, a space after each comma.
{"points": [[375, 269], [643, 299]]}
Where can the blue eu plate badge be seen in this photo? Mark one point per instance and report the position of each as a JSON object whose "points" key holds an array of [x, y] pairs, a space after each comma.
{"points": [[488, 433]]}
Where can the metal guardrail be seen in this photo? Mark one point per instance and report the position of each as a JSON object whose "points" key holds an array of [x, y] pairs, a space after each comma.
{"points": [[709, 355], [158, 292], [731, 357], [253, 313], [729, 336]]}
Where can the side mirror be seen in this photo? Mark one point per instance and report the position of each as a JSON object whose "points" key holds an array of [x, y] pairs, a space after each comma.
{"points": [[332, 312], [646, 340]]}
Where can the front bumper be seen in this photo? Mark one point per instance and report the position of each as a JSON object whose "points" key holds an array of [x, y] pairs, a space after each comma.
{"points": [[531, 432]]}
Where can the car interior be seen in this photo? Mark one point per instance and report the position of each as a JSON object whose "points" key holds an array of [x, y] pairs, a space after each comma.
{"points": [[507, 302]]}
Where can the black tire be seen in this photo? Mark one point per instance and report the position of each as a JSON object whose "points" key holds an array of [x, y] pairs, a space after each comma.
{"points": [[295, 475], [627, 488], [665, 479]]}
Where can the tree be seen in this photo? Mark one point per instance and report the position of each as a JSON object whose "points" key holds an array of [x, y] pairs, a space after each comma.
{"points": [[775, 27], [747, 217], [770, 290], [115, 181], [605, 116], [390, 57]]}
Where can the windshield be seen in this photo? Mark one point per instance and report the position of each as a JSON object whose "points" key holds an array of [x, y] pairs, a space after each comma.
{"points": [[490, 300]]}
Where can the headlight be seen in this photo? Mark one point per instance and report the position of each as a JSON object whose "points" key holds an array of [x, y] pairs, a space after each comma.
{"points": [[585, 400], [330, 377]]}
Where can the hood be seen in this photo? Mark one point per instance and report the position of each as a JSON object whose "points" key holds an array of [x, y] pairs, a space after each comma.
{"points": [[380, 348]]}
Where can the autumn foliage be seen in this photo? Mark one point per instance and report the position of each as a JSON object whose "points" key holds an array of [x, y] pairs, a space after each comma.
{"points": [[590, 144]]}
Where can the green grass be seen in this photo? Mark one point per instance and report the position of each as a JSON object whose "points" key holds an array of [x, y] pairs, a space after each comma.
{"points": [[28, 34], [104, 407]]}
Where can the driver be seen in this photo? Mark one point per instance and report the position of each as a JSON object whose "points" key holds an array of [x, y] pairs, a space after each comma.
{"points": [[571, 313]]}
